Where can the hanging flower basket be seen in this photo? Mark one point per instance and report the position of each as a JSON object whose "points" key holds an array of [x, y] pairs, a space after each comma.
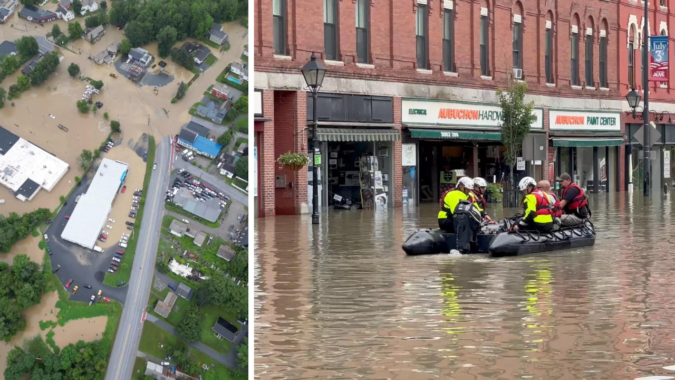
{"points": [[293, 161]]}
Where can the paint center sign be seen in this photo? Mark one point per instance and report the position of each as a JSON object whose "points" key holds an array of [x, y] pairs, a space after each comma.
{"points": [[658, 58], [584, 121]]}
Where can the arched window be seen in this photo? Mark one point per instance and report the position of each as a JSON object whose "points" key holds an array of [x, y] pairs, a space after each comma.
{"points": [[589, 54], [631, 56], [549, 48], [602, 63], [574, 51], [484, 40]]}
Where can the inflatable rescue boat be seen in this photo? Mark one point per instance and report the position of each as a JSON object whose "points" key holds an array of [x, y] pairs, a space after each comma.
{"points": [[496, 240]]}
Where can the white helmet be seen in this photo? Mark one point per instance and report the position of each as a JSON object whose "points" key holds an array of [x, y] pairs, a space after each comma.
{"points": [[526, 182], [466, 182], [479, 182]]}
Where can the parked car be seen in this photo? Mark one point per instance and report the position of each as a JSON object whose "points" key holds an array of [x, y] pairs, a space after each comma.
{"points": [[67, 216], [129, 228], [154, 166], [230, 228], [124, 189], [129, 223], [186, 221], [121, 283], [92, 299], [46, 238], [56, 269], [164, 363], [70, 282], [106, 299], [119, 252], [87, 286], [75, 289], [111, 220], [116, 259], [172, 287], [49, 251]]}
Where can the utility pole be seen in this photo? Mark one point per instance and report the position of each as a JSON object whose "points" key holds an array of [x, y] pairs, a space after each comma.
{"points": [[645, 114]]}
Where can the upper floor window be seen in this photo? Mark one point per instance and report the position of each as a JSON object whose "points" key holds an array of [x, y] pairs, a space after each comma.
{"points": [[589, 57], [330, 35], [279, 14], [575, 56], [484, 42], [421, 36], [362, 21], [631, 57], [663, 3], [517, 42], [603, 59], [449, 39], [548, 54]]}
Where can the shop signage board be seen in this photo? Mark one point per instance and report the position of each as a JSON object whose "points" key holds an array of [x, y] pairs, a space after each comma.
{"points": [[666, 163], [460, 114], [654, 135], [409, 155], [658, 58], [520, 163], [584, 121]]}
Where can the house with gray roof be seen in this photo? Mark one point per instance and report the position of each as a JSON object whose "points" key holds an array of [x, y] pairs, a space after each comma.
{"points": [[5, 14], [217, 34], [225, 330], [212, 111], [199, 129], [8, 48], [185, 291], [93, 34], [226, 253], [37, 15], [140, 55]]}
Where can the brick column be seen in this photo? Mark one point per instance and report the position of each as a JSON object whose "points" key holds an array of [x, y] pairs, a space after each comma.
{"points": [[398, 158], [300, 147], [267, 158]]}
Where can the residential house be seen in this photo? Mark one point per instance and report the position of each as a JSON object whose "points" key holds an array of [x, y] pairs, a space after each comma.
{"points": [[107, 56], [65, 4], [159, 372], [198, 52], [37, 15], [202, 55], [185, 291], [8, 48], [199, 239], [225, 330], [163, 308], [228, 167], [220, 91], [94, 34], [217, 34], [28, 67], [246, 50], [65, 14], [5, 14], [213, 111], [179, 228], [140, 55], [89, 6], [226, 253], [198, 129], [240, 69]]}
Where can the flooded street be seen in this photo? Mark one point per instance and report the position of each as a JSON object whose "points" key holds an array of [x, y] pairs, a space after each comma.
{"points": [[344, 301]]}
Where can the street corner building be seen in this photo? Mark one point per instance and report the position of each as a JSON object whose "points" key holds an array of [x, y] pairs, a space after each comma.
{"points": [[413, 85]]}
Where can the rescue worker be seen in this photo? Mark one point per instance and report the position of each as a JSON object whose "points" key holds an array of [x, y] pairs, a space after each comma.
{"points": [[574, 203], [477, 196], [556, 211], [537, 215], [450, 201]]}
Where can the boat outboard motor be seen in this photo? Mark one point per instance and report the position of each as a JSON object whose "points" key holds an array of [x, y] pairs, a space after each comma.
{"points": [[467, 225]]}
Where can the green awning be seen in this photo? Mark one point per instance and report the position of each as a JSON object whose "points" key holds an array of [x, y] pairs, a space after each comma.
{"points": [[364, 134], [587, 142], [455, 135]]}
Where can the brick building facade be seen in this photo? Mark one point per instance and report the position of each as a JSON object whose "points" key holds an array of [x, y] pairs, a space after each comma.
{"points": [[448, 58]]}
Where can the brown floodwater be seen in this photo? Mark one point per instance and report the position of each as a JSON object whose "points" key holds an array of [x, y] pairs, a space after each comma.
{"points": [[138, 109], [342, 300]]}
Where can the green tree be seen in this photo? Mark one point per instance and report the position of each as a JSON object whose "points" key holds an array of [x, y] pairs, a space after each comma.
{"points": [[23, 82], [73, 69], [189, 327], [77, 7], [43, 68], [230, 9], [181, 90], [225, 138], [104, 5], [242, 104], [98, 84], [93, 21], [3, 94], [115, 126], [166, 39], [28, 2], [10, 64], [105, 115], [94, 108], [241, 168], [83, 106], [517, 117], [14, 91], [74, 28], [139, 33], [86, 157], [27, 47], [56, 32], [242, 354], [125, 46]]}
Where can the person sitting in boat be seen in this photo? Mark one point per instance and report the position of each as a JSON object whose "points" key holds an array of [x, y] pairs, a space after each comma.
{"points": [[537, 215], [450, 201], [556, 210], [477, 196], [574, 202]]}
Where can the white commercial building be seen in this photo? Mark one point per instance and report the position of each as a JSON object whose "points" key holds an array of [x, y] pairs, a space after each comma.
{"points": [[91, 212], [26, 168]]}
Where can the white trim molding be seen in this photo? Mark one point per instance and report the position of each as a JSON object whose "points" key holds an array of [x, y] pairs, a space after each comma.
{"points": [[603, 33], [518, 18], [632, 21], [448, 4], [664, 26], [365, 65], [424, 71], [483, 11], [549, 24], [333, 63], [575, 29], [283, 57], [450, 74]]}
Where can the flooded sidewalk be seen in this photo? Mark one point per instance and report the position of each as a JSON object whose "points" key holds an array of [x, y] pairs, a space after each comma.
{"points": [[342, 300]]}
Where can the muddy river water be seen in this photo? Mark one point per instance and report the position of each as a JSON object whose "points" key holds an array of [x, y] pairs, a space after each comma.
{"points": [[344, 301]]}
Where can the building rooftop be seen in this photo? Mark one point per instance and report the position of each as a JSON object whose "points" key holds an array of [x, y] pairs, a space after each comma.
{"points": [[222, 88], [8, 48], [225, 329], [202, 53], [187, 135], [163, 308], [4, 12], [91, 212], [207, 146], [238, 66], [198, 129], [226, 253], [25, 167], [200, 238], [185, 291], [34, 12]]}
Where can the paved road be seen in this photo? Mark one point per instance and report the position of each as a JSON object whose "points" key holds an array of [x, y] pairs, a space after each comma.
{"points": [[129, 332], [212, 180]]}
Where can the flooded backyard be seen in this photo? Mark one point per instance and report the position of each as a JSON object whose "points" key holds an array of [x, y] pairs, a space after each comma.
{"points": [[342, 300]]}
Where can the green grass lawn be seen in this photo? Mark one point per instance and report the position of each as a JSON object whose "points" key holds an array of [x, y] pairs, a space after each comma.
{"points": [[208, 42], [138, 372], [222, 372], [37, 346], [211, 314], [240, 141], [166, 221], [239, 183], [176, 316], [241, 125], [195, 71], [211, 59], [124, 272], [153, 336], [244, 58]]}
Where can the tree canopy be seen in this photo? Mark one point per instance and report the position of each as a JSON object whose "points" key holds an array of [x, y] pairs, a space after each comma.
{"points": [[73, 69], [241, 169], [43, 68], [27, 46], [74, 28], [125, 46], [242, 354], [189, 327], [14, 227], [165, 39], [222, 291]]}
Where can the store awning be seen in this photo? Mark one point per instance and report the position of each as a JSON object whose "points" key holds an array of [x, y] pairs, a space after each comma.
{"points": [[587, 142], [455, 135], [332, 134]]}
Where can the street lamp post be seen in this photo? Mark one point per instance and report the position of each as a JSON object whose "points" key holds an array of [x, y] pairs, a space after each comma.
{"points": [[314, 72], [645, 113]]}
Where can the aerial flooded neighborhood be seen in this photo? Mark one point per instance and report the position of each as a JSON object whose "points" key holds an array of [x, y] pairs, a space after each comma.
{"points": [[124, 189]]}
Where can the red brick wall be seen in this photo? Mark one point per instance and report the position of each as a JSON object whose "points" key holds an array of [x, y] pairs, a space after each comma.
{"points": [[300, 146], [284, 141], [266, 159]]}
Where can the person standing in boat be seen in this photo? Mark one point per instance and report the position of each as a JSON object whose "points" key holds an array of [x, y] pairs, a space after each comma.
{"points": [[450, 201], [477, 197], [538, 210], [574, 202]]}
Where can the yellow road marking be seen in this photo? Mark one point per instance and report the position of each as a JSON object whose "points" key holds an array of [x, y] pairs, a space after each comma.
{"points": [[124, 347]]}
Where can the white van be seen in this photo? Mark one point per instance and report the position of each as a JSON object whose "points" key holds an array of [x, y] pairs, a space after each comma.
{"points": [[123, 245], [98, 249]]}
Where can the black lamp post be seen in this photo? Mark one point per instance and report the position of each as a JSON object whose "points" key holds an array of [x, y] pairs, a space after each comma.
{"points": [[314, 72], [633, 98], [645, 89]]}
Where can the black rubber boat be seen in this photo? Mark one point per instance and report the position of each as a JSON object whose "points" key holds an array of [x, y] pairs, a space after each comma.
{"points": [[494, 240]]}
